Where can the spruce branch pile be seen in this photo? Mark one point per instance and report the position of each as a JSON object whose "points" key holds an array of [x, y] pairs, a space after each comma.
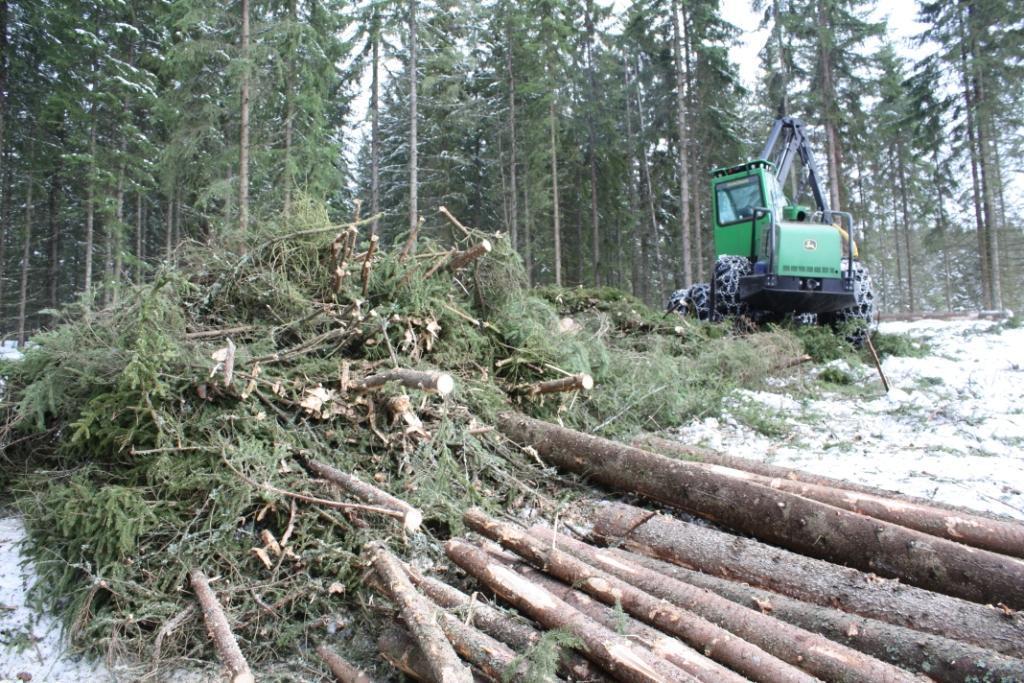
{"points": [[255, 416]]}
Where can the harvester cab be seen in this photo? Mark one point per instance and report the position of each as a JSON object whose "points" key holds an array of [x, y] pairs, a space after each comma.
{"points": [[775, 258]]}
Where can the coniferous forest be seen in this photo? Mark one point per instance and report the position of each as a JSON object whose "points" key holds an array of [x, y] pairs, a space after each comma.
{"points": [[584, 130]]}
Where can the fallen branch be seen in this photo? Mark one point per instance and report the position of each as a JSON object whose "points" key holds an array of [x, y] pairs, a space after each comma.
{"points": [[811, 652], [877, 362], [453, 220], [615, 653], [420, 616], [411, 517], [580, 382], [726, 556], [463, 258], [712, 640], [219, 629], [432, 381], [780, 517], [342, 669]]}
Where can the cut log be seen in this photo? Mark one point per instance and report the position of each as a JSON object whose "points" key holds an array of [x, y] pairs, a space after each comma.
{"points": [[707, 455], [613, 652], [425, 380], [421, 617], [219, 629], [811, 652], [495, 659], [463, 258], [714, 641], [411, 517], [740, 559], [1001, 536], [580, 382], [668, 648], [780, 517], [941, 659], [401, 651], [497, 624], [343, 671]]}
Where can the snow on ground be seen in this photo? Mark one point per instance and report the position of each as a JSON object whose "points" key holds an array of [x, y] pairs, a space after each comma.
{"points": [[951, 428]]}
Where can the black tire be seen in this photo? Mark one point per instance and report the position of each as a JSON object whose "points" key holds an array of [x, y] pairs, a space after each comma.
{"points": [[695, 301], [857, 320], [728, 271]]}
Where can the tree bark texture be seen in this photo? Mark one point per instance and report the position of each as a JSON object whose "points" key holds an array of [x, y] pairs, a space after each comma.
{"points": [[488, 655], [662, 645], [740, 559], [425, 380], [706, 455], [714, 641], [401, 651], [942, 659], [515, 633], [811, 652], [614, 653], [1000, 536], [342, 669], [219, 629], [579, 382], [803, 525], [26, 258], [243, 143], [684, 138], [555, 199], [414, 211], [367, 493], [420, 615]]}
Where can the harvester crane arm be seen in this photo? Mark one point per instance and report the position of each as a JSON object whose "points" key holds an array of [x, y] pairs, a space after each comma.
{"points": [[789, 136]]}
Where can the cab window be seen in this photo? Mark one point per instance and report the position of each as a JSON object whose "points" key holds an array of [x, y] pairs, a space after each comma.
{"points": [[737, 199]]}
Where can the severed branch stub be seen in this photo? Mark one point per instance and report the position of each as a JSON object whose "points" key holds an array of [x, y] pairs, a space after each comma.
{"points": [[463, 258], [440, 383], [411, 517], [578, 382], [219, 629], [344, 671], [420, 615]]}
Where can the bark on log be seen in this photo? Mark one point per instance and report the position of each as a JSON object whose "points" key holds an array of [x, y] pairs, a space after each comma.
{"points": [[942, 659], [613, 652], [412, 518], [1001, 536], [497, 624], [425, 380], [672, 650], [580, 382], [811, 652], [401, 651], [740, 559], [707, 455], [219, 629], [463, 258], [714, 641], [420, 615], [779, 517], [488, 655], [342, 669]]}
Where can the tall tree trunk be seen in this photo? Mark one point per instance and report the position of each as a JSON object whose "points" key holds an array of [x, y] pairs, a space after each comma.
{"points": [[26, 256], [118, 242], [527, 224], [827, 90], [557, 217], [979, 219], [139, 256], [5, 222], [595, 229], [375, 127], [650, 240], [289, 123], [169, 227], [243, 152], [90, 207], [634, 200], [513, 210], [905, 210], [413, 161], [684, 277], [53, 216]]}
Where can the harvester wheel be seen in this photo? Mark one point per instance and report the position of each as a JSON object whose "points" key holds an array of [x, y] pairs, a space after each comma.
{"points": [[858, 319], [728, 271], [695, 301]]}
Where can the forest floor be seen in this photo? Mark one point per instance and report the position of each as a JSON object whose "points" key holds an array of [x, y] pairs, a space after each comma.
{"points": [[951, 428]]}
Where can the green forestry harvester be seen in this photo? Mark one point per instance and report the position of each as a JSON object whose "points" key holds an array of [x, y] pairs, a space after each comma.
{"points": [[776, 259]]}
